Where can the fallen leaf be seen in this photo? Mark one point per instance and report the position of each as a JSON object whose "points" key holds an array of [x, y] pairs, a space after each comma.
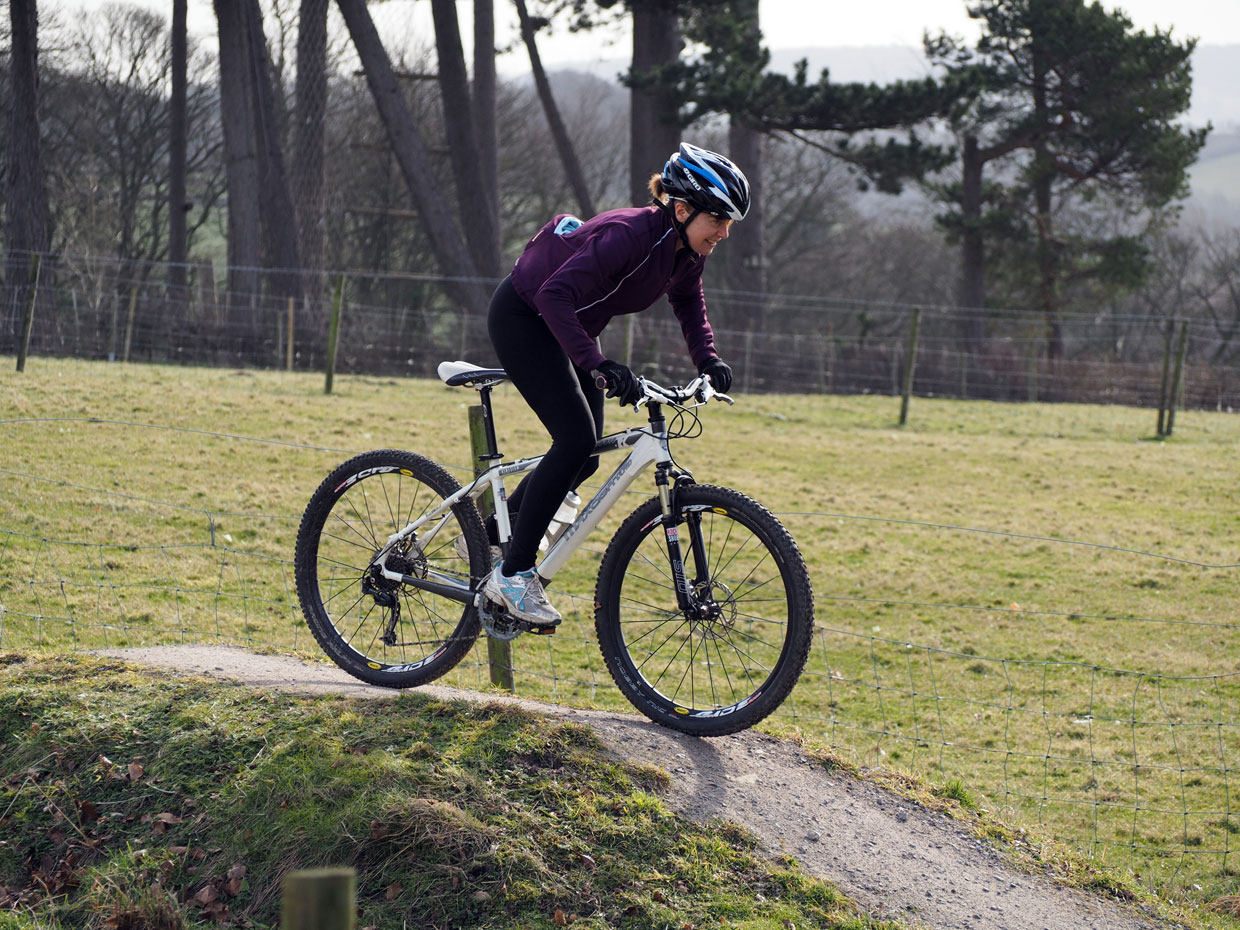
{"points": [[589, 860], [136, 771], [236, 875], [169, 818], [393, 891], [206, 894], [378, 830], [481, 896], [56, 836], [88, 812], [560, 919]]}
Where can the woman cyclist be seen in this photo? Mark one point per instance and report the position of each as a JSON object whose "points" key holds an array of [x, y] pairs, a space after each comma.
{"points": [[572, 278]]}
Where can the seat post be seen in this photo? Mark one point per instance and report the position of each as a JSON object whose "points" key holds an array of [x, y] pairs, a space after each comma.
{"points": [[488, 420]]}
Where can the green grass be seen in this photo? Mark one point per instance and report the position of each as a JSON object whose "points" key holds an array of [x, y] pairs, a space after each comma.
{"points": [[1032, 602], [130, 800]]}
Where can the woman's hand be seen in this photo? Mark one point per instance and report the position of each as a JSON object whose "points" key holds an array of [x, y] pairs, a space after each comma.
{"points": [[719, 372], [620, 382]]}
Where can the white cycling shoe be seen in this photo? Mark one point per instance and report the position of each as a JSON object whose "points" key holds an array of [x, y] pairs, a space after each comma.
{"points": [[522, 594]]}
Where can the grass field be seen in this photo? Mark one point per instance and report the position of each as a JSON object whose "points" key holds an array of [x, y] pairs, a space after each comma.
{"points": [[1035, 600]]}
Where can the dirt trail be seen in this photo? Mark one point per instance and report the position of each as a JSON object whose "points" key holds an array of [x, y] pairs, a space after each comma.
{"points": [[894, 857]]}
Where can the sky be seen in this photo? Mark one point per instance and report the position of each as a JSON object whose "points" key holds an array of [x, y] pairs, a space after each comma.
{"points": [[785, 23]]}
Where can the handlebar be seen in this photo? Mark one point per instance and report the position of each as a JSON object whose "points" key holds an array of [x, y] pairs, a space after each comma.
{"points": [[699, 390]]}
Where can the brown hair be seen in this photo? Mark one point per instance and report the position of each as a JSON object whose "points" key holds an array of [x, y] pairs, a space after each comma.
{"points": [[656, 188]]}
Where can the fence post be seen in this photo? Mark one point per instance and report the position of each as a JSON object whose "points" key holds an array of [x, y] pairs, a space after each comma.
{"points": [[32, 292], [133, 305], [319, 899], [1166, 375], [499, 651], [334, 333], [910, 363], [292, 304], [1173, 396]]}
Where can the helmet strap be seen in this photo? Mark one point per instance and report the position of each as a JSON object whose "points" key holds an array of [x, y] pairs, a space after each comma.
{"points": [[670, 208]]}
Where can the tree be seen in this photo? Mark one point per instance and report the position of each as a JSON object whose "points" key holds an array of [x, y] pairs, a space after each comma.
{"points": [[654, 114], [472, 189], [277, 218], [26, 226], [441, 227], [559, 132], [238, 121], [1078, 111], [309, 141], [113, 147], [178, 244]]}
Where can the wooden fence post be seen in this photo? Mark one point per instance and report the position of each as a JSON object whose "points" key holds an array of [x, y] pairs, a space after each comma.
{"points": [[334, 333], [1173, 396], [32, 292], [319, 899], [1165, 383], [910, 363], [133, 306], [499, 651], [292, 305]]}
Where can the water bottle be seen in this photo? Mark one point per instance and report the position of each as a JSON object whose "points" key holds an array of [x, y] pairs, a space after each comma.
{"points": [[564, 516]]}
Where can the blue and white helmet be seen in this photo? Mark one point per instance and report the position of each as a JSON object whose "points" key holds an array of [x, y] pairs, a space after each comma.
{"points": [[707, 182]]}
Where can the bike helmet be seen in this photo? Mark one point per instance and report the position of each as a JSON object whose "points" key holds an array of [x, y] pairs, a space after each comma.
{"points": [[706, 181]]}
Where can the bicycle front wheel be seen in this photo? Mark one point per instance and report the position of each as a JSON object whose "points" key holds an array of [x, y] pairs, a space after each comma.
{"points": [[382, 631], [732, 656]]}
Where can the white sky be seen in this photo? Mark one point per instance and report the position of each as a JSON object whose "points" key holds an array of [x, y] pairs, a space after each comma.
{"points": [[785, 23]]}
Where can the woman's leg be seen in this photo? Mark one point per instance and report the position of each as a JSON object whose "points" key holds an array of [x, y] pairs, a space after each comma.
{"points": [[557, 393]]}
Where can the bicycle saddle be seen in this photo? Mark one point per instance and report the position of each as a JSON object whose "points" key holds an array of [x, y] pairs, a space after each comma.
{"points": [[455, 374]]}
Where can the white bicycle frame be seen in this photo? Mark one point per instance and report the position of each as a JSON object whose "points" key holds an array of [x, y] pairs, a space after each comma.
{"points": [[648, 448]]}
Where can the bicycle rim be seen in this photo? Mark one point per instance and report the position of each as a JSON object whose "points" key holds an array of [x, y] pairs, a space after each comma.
{"points": [[381, 631], [723, 668]]}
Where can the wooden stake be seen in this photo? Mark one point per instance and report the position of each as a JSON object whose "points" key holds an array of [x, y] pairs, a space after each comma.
{"points": [[334, 333], [32, 292], [319, 899], [499, 651], [910, 363]]}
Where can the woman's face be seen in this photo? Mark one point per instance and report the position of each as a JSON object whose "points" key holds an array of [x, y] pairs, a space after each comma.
{"points": [[705, 232]]}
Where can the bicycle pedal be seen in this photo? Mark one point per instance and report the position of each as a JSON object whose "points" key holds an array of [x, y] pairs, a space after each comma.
{"points": [[535, 630]]}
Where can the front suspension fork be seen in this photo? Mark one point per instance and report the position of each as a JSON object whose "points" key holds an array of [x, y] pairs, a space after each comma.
{"points": [[687, 597]]}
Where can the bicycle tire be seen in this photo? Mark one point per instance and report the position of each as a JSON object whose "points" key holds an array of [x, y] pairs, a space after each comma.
{"points": [[349, 518], [716, 676]]}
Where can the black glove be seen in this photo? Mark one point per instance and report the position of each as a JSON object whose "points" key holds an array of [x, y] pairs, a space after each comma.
{"points": [[620, 382], [720, 374]]}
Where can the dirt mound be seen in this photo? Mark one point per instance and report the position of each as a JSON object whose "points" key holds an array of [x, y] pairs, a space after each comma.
{"points": [[895, 857]]}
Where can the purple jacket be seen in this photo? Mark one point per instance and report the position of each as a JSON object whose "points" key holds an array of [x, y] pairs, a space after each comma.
{"points": [[580, 275]]}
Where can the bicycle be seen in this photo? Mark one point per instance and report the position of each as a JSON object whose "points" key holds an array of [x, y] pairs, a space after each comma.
{"points": [[703, 607]]}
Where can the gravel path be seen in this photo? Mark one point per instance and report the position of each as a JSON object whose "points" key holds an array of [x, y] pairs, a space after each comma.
{"points": [[894, 857]]}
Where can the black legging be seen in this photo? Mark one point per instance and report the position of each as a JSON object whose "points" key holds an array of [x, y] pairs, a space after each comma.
{"points": [[566, 401]]}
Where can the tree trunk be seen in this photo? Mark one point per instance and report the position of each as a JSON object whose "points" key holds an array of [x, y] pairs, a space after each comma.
{"points": [[237, 120], [278, 221], [441, 227], [559, 133], [26, 223], [654, 127], [178, 242], [1043, 174], [972, 295], [309, 144], [471, 189], [746, 248], [484, 107]]}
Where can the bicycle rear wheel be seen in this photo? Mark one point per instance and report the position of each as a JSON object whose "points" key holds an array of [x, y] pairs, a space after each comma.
{"points": [[733, 657], [381, 631]]}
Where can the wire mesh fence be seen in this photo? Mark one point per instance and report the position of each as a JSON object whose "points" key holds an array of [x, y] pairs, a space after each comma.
{"points": [[1132, 765], [405, 324]]}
